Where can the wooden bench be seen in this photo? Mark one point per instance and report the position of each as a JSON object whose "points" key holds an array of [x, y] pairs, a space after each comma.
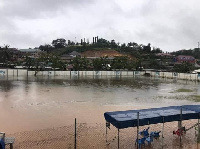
{"points": [[7, 140]]}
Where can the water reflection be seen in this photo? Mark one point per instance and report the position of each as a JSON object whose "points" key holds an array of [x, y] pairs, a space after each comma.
{"points": [[6, 85]]}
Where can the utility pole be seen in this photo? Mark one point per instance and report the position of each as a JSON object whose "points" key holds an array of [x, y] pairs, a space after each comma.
{"points": [[198, 45]]}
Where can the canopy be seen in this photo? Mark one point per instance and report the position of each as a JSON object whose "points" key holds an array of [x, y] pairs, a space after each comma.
{"points": [[125, 119]]}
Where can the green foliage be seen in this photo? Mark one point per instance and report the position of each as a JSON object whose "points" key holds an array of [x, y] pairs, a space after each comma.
{"points": [[184, 67], [154, 64], [4, 54], [97, 64], [184, 90], [30, 62], [101, 64], [80, 63], [59, 43], [45, 60], [46, 48], [119, 63], [192, 52]]}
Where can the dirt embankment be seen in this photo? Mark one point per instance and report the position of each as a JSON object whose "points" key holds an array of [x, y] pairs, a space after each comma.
{"points": [[103, 53]]}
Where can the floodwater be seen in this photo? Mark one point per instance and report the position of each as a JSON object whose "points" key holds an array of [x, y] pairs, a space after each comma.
{"points": [[36, 103]]}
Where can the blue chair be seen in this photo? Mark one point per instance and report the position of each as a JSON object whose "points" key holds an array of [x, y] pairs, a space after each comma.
{"points": [[145, 132], [155, 134], [140, 142], [2, 144], [149, 140], [6, 141]]}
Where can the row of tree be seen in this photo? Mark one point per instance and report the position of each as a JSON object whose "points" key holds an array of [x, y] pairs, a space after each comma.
{"points": [[103, 64], [81, 63], [131, 47]]}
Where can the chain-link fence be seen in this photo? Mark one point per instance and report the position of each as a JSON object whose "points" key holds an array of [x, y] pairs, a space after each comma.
{"points": [[93, 135]]}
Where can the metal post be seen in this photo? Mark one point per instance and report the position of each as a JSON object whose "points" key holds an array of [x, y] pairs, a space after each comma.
{"points": [[75, 136], [106, 133], [138, 123], [7, 73], [180, 129], [198, 135], [163, 133], [118, 138]]}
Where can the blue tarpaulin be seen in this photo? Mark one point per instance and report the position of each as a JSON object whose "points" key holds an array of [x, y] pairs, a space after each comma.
{"points": [[125, 119]]}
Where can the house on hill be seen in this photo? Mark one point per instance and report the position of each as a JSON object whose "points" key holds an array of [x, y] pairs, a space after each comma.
{"points": [[69, 57], [74, 54], [34, 53], [185, 58]]}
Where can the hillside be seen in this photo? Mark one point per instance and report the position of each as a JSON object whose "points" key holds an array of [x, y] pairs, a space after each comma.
{"points": [[101, 53]]}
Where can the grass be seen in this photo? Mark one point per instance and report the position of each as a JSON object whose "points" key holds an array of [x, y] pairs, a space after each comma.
{"points": [[195, 98], [184, 90]]}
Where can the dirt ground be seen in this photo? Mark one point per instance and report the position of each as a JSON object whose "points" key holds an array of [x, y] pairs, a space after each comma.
{"points": [[93, 135]]}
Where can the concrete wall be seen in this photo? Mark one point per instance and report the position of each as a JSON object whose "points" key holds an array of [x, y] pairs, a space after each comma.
{"points": [[170, 75], [174, 75]]}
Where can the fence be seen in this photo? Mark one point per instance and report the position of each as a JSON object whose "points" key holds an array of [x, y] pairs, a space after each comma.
{"points": [[25, 72], [175, 75], [170, 75], [93, 135]]}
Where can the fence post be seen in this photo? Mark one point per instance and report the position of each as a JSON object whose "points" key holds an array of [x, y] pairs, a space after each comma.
{"points": [[75, 135], [7, 73]]}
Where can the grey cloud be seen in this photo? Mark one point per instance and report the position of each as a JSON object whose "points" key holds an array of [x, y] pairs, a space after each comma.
{"points": [[27, 9], [168, 24], [18, 39]]}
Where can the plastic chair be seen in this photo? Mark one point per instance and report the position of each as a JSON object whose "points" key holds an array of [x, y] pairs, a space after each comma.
{"points": [[6, 141], [149, 140], [155, 134], [140, 142], [2, 144], [180, 131], [145, 132]]}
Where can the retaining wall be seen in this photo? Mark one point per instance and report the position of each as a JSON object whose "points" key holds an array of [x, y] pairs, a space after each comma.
{"points": [[174, 75], [170, 75]]}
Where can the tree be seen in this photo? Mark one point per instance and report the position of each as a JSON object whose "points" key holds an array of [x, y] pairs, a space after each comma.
{"points": [[80, 63], [100, 64], [113, 44], [30, 62], [59, 43], [147, 48], [4, 54], [156, 50], [46, 48], [119, 63], [184, 67], [102, 43]]}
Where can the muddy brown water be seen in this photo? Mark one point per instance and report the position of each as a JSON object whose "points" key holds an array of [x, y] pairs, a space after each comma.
{"points": [[43, 102], [40, 111]]}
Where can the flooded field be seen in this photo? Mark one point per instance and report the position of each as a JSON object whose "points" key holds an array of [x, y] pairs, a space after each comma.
{"points": [[37, 103]]}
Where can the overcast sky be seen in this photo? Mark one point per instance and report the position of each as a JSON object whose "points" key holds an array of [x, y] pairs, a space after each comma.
{"points": [[168, 24]]}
